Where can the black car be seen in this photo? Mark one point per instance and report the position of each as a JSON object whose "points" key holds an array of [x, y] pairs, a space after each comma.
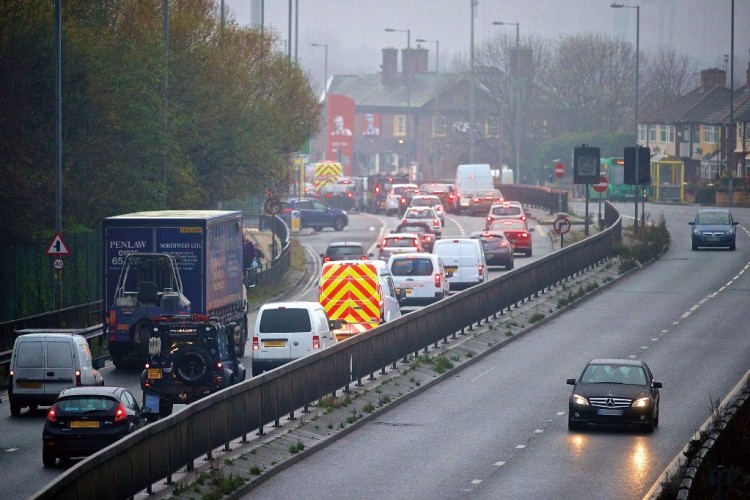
{"points": [[614, 391], [315, 214], [713, 227], [427, 234], [190, 357], [84, 420], [497, 249], [345, 250]]}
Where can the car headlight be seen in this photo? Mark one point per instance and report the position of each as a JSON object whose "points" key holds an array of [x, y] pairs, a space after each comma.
{"points": [[696, 232], [641, 403], [580, 400]]}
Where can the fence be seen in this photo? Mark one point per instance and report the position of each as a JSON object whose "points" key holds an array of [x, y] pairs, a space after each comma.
{"points": [[157, 451]]}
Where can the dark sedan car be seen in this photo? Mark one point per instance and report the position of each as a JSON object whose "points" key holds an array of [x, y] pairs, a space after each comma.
{"points": [[713, 227], [614, 391], [315, 214], [345, 250], [83, 420], [497, 249]]}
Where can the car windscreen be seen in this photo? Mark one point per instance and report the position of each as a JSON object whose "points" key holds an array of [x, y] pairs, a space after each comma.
{"points": [[419, 214], [286, 320], [347, 250], [411, 267], [614, 374], [87, 404], [506, 211], [715, 218], [400, 242]]}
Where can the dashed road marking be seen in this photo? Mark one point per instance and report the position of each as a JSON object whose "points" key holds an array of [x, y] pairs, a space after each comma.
{"points": [[499, 464], [482, 374]]}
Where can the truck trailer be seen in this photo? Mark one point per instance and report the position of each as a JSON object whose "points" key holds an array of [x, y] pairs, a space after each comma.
{"points": [[173, 262]]}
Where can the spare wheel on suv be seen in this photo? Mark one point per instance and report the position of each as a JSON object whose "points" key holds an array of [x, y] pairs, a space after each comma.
{"points": [[192, 364]]}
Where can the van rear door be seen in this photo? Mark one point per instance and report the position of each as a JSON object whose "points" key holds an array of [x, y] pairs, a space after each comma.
{"points": [[280, 329], [28, 366], [60, 366]]}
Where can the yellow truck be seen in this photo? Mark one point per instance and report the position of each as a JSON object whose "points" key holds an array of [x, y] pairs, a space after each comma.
{"points": [[360, 293]]}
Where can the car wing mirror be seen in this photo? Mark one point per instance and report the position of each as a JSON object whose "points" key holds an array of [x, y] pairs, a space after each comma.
{"points": [[531, 229], [571, 381], [401, 295], [735, 223], [691, 223], [371, 254], [448, 274], [336, 324], [98, 363], [322, 256], [656, 385]]}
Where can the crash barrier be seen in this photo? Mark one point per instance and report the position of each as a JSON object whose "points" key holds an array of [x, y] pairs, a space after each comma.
{"points": [[552, 200], [159, 450]]}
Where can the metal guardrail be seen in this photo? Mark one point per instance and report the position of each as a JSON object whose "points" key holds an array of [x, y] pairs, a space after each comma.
{"points": [[159, 450]]}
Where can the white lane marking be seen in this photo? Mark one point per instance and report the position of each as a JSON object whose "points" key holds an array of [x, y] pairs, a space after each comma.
{"points": [[685, 315], [520, 446], [559, 413], [538, 431], [482, 374], [633, 356], [476, 481], [10, 450], [654, 340], [696, 306], [665, 331], [499, 464]]}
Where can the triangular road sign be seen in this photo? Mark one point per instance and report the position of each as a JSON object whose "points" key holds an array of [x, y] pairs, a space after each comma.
{"points": [[57, 247]]}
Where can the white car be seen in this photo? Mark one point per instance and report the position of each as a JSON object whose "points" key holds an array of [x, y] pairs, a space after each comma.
{"points": [[399, 243], [431, 201], [420, 278], [464, 258], [423, 214], [396, 202]]}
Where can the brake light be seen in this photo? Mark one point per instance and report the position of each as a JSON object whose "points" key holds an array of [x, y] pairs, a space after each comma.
{"points": [[121, 414], [438, 280], [316, 342], [523, 218], [326, 258], [502, 244], [427, 237], [489, 219], [481, 269], [349, 195], [436, 222], [524, 235], [78, 377], [364, 257], [377, 189], [415, 242], [51, 415], [384, 244], [476, 199], [256, 346]]}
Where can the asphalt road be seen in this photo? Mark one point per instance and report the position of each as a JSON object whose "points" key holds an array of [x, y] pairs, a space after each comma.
{"points": [[498, 429]]}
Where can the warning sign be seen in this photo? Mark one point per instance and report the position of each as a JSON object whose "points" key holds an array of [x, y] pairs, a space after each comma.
{"points": [[57, 246]]}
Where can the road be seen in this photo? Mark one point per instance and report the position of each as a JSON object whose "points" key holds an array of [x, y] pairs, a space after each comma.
{"points": [[498, 429], [21, 470]]}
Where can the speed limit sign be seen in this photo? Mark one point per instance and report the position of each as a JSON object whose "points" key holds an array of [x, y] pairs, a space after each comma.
{"points": [[58, 264]]}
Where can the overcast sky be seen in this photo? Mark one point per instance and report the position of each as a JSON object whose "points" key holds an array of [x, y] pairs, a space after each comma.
{"points": [[355, 29]]}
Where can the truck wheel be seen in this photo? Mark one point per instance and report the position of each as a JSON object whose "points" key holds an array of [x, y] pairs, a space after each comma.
{"points": [[165, 408], [15, 409], [191, 364], [339, 224], [119, 362]]}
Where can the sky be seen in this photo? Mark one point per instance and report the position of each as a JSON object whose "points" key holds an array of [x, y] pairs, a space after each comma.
{"points": [[354, 30]]}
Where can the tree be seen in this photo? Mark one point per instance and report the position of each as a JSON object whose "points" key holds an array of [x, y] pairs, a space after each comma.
{"points": [[667, 76]]}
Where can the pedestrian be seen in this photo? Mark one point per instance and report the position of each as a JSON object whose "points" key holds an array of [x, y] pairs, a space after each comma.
{"points": [[248, 252]]}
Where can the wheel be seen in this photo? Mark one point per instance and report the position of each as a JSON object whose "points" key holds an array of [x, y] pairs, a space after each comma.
{"points": [[48, 458], [733, 246], [165, 408], [192, 364], [339, 224], [33, 408], [510, 265], [256, 371], [528, 252], [695, 247], [656, 416], [119, 362], [649, 427], [15, 409], [318, 228]]}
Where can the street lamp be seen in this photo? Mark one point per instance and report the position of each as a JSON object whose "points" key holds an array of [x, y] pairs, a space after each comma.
{"points": [[408, 69], [637, 69], [325, 99], [517, 107], [437, 51]]}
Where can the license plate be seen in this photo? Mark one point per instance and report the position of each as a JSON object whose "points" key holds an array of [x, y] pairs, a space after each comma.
{"points": [[29, 385], [712, 238], [274, 343], [608, 412], [408, 291], [84, 424], [154, 373], [451, 269]]}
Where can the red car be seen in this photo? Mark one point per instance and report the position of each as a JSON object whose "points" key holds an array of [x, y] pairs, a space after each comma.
{"points": [[517, 232]]}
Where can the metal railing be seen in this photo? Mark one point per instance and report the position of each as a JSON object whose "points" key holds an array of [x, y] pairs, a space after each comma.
{"points": [[159, 450]]}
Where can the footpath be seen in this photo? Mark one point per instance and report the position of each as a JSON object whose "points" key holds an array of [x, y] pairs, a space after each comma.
{"points": [[250, 460]]}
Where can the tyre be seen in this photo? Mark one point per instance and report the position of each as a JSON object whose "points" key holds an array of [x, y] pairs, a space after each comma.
{"points": [[649, 427], [528, 252], [15, 409], [165, 408], [48, 458], [192, 364], [656, 417], [119, 362], [339, 224], [733, 246], [695, 247], [256, 371], [510, 265]]}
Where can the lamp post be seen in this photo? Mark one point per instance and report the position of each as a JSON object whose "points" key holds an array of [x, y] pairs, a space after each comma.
{"points": [[471, 84], [517, 107], [637, 70], [434, 157], [437, 51], [325, 99], [408, 70]]}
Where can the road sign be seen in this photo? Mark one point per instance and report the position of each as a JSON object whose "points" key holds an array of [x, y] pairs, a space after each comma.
{"points": [[559, 169], [57, 246], [602, 185], [561, 225], [58, 264], [272, 206]]}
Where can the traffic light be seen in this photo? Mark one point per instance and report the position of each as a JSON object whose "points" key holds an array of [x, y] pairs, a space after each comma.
{"points": [[637, 160], [586, 165]]}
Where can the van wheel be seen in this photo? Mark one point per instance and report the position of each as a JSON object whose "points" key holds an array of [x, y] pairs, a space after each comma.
{"points": [[15, 409], [191, 364], [33, 408], [48, 458]]}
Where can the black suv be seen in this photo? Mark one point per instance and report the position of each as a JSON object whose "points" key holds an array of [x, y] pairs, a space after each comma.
{"points": [[189, 357]]}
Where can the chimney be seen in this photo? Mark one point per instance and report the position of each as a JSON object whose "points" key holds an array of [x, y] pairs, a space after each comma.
{"points": [[390, 66], [713, 77], [413, 61]]}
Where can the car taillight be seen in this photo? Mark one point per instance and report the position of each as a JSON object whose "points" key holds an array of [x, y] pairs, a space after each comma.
{"points": [[481, 270], [78, 377], [438, 280], [121, 414], [256, 346], [350, 195], [326, 258], [523, 217], [524, 235], [51, 415], [316, 342], [476, 199], [435, 222], [384, 244], [364, 257], [427, 237], [502, 244]]}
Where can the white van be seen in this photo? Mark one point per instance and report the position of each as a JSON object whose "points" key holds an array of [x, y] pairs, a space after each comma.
{"points": [[464, 258], [285, 331], [471, 178], [421, 276], [44, 362]]}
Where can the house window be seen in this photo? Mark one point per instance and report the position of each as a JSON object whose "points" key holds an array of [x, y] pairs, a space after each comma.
{"points": [[710, 134], [439, 126], [492, 127], [399, 125], [652, 133], [686, 133], [642, 131], [670, 134]]}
